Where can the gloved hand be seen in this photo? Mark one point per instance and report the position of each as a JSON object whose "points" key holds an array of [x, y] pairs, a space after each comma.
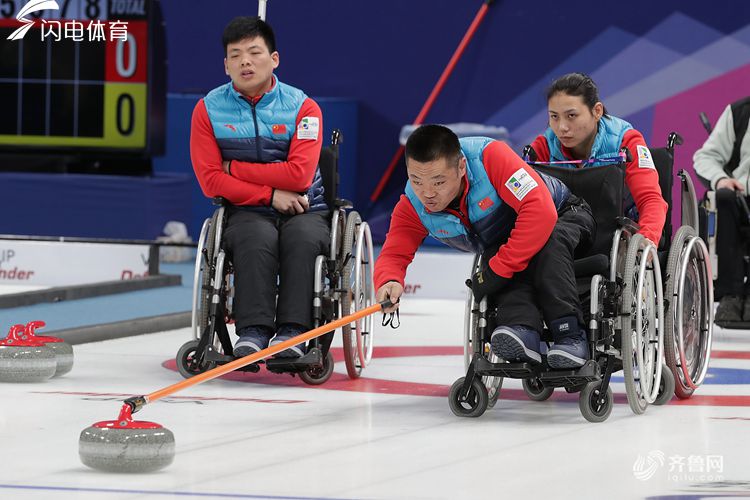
{"points": [[486, 282]]}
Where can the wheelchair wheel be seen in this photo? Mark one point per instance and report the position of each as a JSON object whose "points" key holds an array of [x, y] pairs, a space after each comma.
{"points": [[666, 388], [319, 374], [209, 241], [360, 293], [471, 320], [535, 390], [476, 403], [493, 384], [689, 322], [186, 360], [642, 337], [593, 407]]}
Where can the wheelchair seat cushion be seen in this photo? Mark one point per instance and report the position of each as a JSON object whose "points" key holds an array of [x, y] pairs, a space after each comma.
{"points": [[591, 265]]}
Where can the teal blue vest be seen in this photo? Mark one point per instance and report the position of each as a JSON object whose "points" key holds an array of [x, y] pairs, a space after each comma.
{"points": [[261, 132], [607, 143], [491, 220]]}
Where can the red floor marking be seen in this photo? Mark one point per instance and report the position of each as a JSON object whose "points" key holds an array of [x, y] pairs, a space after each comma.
{"points": [[341, 382], [730, 354]]}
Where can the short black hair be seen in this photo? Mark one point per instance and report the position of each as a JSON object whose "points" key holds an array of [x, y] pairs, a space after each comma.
{"points": [[576, 84], [243, 27], [433, 142]]}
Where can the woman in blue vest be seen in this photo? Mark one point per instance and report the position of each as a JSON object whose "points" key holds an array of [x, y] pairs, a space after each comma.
{"points": [[580, 128], [476, 195]]}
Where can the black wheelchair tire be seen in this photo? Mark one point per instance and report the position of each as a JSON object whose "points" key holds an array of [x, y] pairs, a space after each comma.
{"points": [[184, 355], [535, 391], [319, 375], [590, 409], [476, 403], [666, 387]]}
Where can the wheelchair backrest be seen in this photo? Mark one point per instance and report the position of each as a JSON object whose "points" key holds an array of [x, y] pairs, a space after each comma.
{"points": [[329, 171], [664, 163], [602, 188]]}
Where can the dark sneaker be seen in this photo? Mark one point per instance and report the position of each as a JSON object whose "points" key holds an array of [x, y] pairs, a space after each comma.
{"points": [[516, 343], [729, 310], [570, 349], [252, 339], [287, 332]]}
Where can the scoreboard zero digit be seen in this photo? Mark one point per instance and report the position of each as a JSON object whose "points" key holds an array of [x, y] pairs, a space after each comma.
{"points": [[87, 76]]}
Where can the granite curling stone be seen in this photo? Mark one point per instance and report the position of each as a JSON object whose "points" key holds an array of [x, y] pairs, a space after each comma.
{"points": [[24, 360], [63, 350], [126, 445]]}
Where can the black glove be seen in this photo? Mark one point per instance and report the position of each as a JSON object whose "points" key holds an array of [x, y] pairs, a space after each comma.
{"points": [[486, 282]]}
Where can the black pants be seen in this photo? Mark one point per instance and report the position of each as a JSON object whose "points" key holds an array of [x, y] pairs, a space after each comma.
{"points": [[549, 283], [730, 246], [267, 249]]}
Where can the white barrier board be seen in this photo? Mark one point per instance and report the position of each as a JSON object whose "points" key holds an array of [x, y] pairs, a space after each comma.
{"points": [[438, 275], [53, 263]]}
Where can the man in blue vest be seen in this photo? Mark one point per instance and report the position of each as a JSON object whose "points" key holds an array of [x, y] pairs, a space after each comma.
{"points": [[256, 142], [476, 195]]}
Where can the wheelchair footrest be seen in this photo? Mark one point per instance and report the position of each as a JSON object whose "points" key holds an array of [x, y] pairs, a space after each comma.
{"points": [[295, 365], [222, 359], [510, 370], [589, 372]]}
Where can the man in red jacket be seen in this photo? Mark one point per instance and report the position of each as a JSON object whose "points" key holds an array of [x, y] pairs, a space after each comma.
{"points": [[256, 142], [476, 195]]}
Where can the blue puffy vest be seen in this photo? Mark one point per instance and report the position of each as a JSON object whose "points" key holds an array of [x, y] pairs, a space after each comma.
{"points": [[261, 132], [607, 143], [491, 219]]}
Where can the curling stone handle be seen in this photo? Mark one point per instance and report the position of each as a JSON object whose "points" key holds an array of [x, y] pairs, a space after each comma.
{"points": [[32, 326]]}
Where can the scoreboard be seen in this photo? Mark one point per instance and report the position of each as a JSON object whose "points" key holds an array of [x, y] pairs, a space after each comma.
{"points": [[82, 75]]}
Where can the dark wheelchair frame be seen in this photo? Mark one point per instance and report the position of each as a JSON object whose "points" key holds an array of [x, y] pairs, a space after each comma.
{"points": [[621, 281], [343, 285]]}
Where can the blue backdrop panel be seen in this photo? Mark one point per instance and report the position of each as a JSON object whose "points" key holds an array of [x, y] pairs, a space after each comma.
{"points": [[92, 205]]}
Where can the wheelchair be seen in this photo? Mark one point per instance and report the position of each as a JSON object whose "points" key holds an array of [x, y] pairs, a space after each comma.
{"points": [[343, 285], [637, 321], [709, 217]]}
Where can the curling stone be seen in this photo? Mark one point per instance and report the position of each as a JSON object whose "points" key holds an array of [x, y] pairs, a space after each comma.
{"points": [[25, 360], [63, 351], [126, 445]]}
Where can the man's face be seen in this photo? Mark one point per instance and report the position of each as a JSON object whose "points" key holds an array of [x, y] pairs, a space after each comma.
{"points": [[436, 183], [250, 65]]}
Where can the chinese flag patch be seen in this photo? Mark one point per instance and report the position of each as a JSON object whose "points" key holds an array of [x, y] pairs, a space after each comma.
{"points": [[278, 129], [486, 203]]}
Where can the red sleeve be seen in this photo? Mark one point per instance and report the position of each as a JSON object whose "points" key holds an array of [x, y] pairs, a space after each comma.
{"points": [[401, 243], [297, 172], [643, 182], [541, 148], [206, 159], [536, 210]]}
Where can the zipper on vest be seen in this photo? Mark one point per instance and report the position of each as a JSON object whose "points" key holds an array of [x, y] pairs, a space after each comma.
{"points": [[257, 134], [461, 216]]}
